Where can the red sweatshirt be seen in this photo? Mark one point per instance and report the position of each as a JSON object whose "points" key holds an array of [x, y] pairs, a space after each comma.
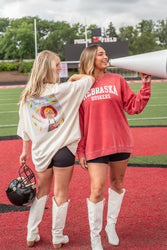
{"points": [[104, 126]]}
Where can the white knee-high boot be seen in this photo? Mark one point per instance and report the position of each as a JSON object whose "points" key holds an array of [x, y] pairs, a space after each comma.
{"points": [[59, 214], [95, 215], [35, 217], [114, 206]]}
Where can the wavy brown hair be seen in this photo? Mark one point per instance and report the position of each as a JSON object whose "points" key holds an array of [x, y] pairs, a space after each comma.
{"points": [[87, 59]]}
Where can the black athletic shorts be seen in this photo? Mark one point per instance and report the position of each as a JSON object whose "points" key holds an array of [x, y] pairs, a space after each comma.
{"points": [[114, 157], [63, 158]]}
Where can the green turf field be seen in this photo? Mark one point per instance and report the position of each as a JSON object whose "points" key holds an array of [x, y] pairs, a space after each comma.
{"points": [[155, 114], [9, 107]]}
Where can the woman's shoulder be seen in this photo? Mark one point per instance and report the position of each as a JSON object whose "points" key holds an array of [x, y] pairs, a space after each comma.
{"points": [[49, 88]]}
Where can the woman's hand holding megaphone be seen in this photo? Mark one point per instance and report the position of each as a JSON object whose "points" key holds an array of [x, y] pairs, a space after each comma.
{"points": [[145, 77]]}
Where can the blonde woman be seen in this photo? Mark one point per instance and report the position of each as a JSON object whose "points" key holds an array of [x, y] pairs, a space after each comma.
{"points": [[106, 138], [45, 103]]}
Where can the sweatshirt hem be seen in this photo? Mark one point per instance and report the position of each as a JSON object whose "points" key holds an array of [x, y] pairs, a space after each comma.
{"points": [[100, 153]]}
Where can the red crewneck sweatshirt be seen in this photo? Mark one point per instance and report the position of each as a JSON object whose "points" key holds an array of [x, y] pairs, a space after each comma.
{"points": [[104, 126]]}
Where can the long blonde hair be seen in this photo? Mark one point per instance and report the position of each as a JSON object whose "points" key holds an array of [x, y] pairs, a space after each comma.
{"points": [[87, 59], [43, 71]]}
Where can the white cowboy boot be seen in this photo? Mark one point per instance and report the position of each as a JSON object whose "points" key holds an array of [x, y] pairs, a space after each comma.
{"points": [[59, 214], [35, 217], [114, 206], [95, 215]]}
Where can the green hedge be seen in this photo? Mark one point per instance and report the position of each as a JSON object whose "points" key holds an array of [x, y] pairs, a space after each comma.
{"points": [[21, 66], [25, 67], [8, 66]]}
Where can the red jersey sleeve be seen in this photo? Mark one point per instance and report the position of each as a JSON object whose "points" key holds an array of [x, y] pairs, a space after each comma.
{"points": [[132, 103]]}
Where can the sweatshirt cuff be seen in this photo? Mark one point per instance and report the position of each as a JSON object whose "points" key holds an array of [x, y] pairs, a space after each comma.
{"points": [[146, 84], [80, 155]]}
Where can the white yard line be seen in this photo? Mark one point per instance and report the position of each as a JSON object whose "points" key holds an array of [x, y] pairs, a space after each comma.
{"points": [[11, 125], [151, 118], [4, 112]]}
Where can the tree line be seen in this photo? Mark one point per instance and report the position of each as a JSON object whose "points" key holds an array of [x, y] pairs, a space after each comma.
{"points": [[17, 36]]}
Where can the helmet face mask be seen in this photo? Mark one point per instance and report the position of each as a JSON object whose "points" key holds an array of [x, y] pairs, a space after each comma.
{"points": [[22, 191]]}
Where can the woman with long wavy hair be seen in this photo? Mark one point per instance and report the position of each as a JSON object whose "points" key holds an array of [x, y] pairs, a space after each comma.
{"points": [[106, 138], [49, 118]]}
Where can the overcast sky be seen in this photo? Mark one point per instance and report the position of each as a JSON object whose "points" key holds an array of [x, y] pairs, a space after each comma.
{"points": [[100, 12]]}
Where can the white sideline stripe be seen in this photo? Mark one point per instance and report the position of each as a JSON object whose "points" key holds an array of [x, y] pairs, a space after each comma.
{"points": [[8, 103], [155, 97], [4, 112], [151, 105], [6, 99], [152, 118], [11, 125], [155, 105]]}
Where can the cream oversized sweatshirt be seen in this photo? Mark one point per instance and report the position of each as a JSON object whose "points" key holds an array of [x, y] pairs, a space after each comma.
{"points": [[52, 121]]}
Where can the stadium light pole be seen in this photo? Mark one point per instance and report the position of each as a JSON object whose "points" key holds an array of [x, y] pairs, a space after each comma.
{"points": [[86, 38], [35, 34]]}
